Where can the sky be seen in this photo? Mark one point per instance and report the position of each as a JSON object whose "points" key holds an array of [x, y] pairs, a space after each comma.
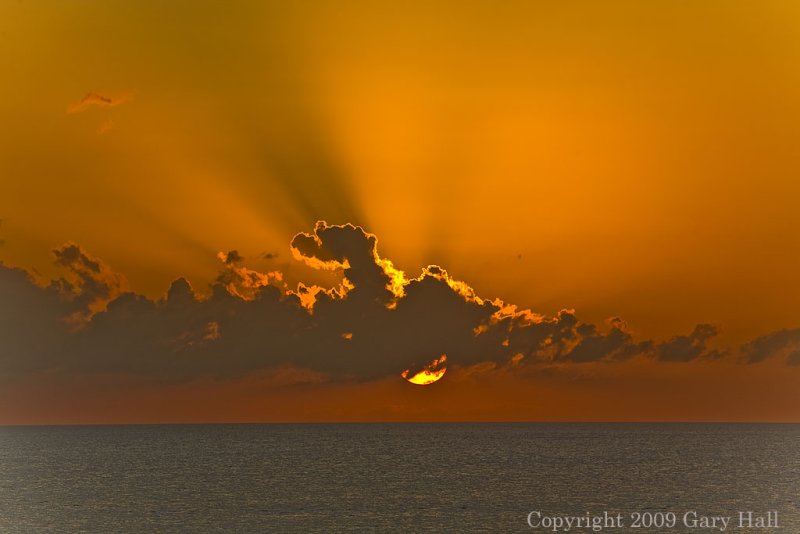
{"points": [[268, 211]]}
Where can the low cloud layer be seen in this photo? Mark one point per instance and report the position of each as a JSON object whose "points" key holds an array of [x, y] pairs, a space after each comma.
{"points": [[785, 343], [376, 322]]}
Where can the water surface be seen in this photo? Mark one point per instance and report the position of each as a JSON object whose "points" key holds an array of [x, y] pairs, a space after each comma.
{"points": [[388, 477]]}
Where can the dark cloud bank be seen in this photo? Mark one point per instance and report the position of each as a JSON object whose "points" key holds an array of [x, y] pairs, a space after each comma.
{"points": [[375, 323]]}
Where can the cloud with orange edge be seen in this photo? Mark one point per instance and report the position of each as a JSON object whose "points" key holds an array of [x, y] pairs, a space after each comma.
{"points": [[376, 322]]}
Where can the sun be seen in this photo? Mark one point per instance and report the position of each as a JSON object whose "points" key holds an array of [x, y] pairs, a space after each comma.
{"points": [[433, 372]]}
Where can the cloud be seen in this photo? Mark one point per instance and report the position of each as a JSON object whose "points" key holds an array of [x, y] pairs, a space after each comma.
{"points": [[230, 258], [783, 343], [350, 249], [689, 347], [241, 281], [32, 326], [97, 100], [89, 284], [375, 322]]}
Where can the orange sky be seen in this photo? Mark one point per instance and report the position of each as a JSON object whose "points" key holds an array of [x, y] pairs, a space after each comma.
{"points": [[643, 391], [623, 159]]}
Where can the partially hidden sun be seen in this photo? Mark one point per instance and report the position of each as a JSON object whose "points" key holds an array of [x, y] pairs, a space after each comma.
{"points": [[431, 373]]}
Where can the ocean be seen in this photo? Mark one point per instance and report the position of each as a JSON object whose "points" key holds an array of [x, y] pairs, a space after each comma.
{"points": [[427, 477]]}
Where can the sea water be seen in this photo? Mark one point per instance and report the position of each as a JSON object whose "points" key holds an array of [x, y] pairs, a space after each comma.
{"points": [[431, 477]]}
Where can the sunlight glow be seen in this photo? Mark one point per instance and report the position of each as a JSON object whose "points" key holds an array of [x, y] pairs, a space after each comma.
{"points": [[433, 372]]}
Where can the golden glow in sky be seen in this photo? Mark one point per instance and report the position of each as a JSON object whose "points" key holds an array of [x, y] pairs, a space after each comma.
{"points": [[616, 179]]}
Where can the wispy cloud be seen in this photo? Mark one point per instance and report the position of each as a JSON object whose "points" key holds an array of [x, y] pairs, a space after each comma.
{"points": [[97, 100]]}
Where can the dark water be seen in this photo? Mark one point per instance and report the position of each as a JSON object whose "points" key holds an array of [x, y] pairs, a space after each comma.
{"points": [[390, 477]]}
